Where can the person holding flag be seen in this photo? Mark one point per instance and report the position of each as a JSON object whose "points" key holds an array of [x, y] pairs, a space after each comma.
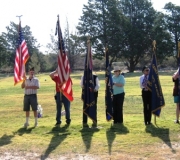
{"points": [[95, 90], [146, 95], [30, 85], [88, 86], [61, 76], [118, 95], [154, 86], [176, 89], [175, 79], [60, 98]]}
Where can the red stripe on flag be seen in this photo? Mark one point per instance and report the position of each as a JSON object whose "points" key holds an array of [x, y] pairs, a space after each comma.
{"points": [[67, 90], [21, 58]]}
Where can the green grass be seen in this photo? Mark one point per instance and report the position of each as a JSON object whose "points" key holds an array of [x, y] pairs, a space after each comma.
{"points": [[107, 141]]}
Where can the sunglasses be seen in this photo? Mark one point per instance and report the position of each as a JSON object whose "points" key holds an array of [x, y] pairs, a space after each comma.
{"points": [[115, 71], [146, 70]]}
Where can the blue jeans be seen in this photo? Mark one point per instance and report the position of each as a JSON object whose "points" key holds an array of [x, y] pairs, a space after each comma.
{"points": [[60, 98]]}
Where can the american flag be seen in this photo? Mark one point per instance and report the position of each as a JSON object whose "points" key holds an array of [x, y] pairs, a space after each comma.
{"points": [[21, 58], [63, 68]]}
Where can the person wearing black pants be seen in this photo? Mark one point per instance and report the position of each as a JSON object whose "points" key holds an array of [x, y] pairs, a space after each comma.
{"points": [[95, 90], [118, 95], [146, 96]]}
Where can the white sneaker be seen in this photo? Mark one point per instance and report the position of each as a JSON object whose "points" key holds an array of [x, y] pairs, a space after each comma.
{"points": [[35, 124], [26, 125]]}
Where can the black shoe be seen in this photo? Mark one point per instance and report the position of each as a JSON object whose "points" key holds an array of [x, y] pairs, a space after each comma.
{"points": [[85, 125], [57, 124], [177, 121], [94, 125], [149, 123], [68, 123]]}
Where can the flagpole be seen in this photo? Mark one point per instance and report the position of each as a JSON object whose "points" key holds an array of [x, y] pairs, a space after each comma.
{"points": [[88, 45], [19, 17], [154, 49]]}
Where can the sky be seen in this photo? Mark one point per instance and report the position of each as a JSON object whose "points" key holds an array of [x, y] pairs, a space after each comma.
{"points": [[41, 16]]}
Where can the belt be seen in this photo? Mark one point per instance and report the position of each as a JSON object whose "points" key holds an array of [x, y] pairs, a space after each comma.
{"points": [[144, 89]]}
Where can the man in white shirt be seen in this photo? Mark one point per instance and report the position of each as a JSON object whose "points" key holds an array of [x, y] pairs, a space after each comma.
{"points": [[146, 95], [30, 85], [95, 90]]}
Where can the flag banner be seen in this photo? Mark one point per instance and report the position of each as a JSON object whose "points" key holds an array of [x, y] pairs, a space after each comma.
{"points": [[88, 86], [65, 82], [67, 89], [109, 89], [21, 58], [155, 87]]}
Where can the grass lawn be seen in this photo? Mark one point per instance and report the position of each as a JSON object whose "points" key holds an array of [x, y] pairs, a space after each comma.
{"points": [[132, 140]]}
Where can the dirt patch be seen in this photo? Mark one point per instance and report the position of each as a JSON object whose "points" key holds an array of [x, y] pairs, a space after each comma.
{"points": [[165, 151]]}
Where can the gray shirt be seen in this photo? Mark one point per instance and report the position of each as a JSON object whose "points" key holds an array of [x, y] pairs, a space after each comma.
{"points": [[33, 82]]}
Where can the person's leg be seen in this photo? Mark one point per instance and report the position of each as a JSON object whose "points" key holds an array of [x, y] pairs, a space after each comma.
{"points": [[26, 108], [144, 98], [84, 117], [177, 112], [95, 99], [115, 110], [120, 107], [176, 101], [149, 113], [67, 109], [33, 102], [58, 108]]}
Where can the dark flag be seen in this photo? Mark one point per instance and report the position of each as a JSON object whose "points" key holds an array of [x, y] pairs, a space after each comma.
{"points": [[88, 86], [109, 89], [155, 87]]}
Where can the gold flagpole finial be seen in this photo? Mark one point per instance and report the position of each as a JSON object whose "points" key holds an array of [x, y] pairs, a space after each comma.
{"points": [[154, 45]]}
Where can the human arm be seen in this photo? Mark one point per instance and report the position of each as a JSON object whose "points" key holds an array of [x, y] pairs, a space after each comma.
{"points": [[52, 74], [81, 82], [175, 76], [97, 85], [23, 84], [120, 82], [141, 81], [33, 85]]}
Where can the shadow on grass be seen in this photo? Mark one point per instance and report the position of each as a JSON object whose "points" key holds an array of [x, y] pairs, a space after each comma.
{"points": [[162, 133], [22, 131], [87, 134], [59, 134], [5, 139], [111, 134]]}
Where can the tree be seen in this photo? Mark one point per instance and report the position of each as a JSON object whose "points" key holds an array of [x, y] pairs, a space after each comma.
{"points": [[173, 23], [125, 25], [165, 45], [11, 37], [138, 30], [4, 53], [102, 21]]}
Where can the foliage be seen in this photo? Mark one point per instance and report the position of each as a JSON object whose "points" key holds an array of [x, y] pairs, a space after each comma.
{"points": [[4, 54], [173, 23]]}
